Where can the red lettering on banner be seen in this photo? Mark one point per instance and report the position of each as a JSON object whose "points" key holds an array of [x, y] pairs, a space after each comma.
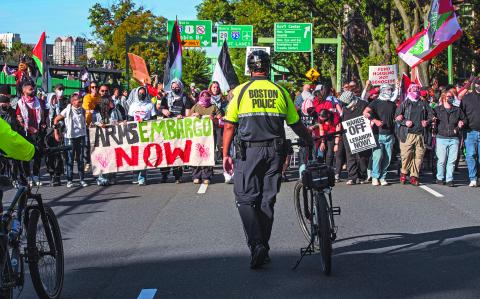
{"points": [[183, 154], [121, 155], [147, 151]]}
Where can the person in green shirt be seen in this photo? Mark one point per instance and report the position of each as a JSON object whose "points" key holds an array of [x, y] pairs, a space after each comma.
{"points": [[13, 145]]}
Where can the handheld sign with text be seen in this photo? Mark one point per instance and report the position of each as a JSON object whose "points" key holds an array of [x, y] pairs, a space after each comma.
{"points": [[385, 74], [139, 68], [359, 134], [152, 144]]}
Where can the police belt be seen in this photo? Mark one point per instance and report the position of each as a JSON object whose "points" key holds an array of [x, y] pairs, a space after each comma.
{"points": [[266, 143]]}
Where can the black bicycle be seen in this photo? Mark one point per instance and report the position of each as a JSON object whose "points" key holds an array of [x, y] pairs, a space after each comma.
{"points": [[315, 213], [29, 233]]}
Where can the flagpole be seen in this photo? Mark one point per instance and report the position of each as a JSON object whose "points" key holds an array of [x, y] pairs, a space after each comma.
{"points": [[450, 64], [45, 65]]}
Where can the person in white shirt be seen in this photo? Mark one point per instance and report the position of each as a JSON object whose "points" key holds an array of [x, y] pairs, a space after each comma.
{"points": [[75, 130], [140, 109]]}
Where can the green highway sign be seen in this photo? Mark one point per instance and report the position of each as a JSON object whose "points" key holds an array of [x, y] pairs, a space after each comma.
{"points": [[193, 33], [293, 37], [237, 36]]}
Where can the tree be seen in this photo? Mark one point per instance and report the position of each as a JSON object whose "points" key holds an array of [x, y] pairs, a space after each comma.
{"points": [[17, 51], [196, 68], [112, 24], [370, 31]]}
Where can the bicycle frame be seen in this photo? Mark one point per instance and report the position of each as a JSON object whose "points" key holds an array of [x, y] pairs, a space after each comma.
{"points": [[19, 204]]}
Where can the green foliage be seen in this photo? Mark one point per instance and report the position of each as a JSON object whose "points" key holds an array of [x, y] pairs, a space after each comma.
{"points": [[111, 25], [17, 51], [196, 68]]}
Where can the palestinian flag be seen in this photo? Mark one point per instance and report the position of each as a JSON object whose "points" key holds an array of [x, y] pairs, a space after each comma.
{"points": [[224, 72], [39, 52], [441, 31], [173, 66]]}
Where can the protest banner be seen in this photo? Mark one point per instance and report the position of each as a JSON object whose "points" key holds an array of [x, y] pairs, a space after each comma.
{"points": [[384, 74], [359, 134], [139, 68], [152, 144]]}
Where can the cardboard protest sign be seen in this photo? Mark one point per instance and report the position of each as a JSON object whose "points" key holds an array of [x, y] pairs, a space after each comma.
{"points": [[385, 74], [359, 134], [139, 68], [152, 144]]}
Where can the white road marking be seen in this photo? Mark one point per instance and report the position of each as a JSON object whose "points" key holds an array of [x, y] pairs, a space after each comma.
{"points": [[202, 189], [431, 191], [147, 294]]}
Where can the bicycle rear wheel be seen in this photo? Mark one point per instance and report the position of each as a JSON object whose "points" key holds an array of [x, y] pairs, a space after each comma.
{"points": [[304, 213], [323, 232], [46, 269]]}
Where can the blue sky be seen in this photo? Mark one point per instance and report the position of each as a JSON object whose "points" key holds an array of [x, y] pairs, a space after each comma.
{"points": [[69, 17]]}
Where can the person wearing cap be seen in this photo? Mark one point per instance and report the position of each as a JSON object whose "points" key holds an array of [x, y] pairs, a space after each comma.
{"points": [[356, 163], [413, 117], [259, 108], [381, 113]]}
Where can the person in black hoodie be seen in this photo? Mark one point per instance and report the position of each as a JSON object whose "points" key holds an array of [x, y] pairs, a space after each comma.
{"points": [[471, 107], [356, 163], [10, 168], [450, 120]]}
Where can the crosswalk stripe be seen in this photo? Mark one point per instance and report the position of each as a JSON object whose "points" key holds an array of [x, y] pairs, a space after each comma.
{"points": [[202, 189], [431, 191], [147, 294]]}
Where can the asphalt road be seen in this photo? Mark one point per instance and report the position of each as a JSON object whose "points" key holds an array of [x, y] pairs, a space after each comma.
{"points": [[393, 242]]}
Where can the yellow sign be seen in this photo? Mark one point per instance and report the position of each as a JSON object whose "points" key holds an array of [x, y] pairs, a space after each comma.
{"points": [[312, 74], [191, 43]]}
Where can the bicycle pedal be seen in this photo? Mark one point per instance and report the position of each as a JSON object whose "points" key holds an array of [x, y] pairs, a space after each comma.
{"points": [[336, 211]]}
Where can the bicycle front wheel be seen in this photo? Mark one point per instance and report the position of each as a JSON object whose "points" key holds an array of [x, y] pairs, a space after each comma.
{"points": [[323, 232], [46, 267], [5, 292], [302, 210]]}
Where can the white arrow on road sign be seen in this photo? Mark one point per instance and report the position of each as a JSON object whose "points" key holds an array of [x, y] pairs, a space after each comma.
{"points": [[205, 43], [307, 30]]}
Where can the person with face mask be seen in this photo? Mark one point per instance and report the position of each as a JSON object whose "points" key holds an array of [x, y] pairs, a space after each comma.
{"points": [[140, 109], [381, 113], [356, 163], [32, 116], [449, 121], [204, 108], [471, 107], [56, 102], [175, 104], [221, 103], [413, 117]]}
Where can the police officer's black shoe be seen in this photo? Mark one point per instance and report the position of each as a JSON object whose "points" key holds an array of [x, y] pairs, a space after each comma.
{"points": [[259, 254]]}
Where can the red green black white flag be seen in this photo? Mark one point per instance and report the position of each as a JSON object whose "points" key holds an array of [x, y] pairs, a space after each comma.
{"points": [[39, 52], [441, 31]]}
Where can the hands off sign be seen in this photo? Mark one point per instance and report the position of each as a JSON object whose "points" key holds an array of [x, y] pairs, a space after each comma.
{"points": [[152, 144], [359, 134], [385, 74]]}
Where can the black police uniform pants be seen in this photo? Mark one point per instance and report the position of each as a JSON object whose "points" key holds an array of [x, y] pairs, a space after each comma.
{"points": [[256, 184]]}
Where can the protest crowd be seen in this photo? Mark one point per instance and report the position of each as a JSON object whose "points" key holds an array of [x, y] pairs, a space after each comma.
{"points": [[423, 127]]}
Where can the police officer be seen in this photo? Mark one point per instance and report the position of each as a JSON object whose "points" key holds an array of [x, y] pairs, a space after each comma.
{"points": [[258, 110]]}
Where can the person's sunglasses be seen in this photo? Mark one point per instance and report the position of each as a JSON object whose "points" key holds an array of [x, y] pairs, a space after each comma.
{"points": [[103, 90], [93, 87]]}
